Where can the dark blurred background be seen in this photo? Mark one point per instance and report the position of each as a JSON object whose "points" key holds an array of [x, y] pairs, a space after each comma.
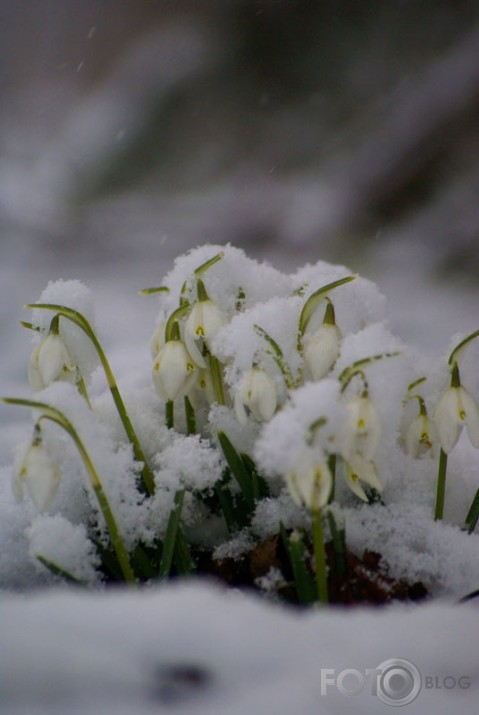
{"points": [[132, 130]]}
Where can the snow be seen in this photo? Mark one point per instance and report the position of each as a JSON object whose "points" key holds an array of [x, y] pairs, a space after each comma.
{"points": [[197, 648], [190, 645]]}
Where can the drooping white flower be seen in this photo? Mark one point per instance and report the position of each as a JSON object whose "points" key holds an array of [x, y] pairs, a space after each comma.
{"points": [[256, 394], [39, 473], [174, 372], [361, 430], [421, 436], [357, 470], [456, 408], [49, 362], [321, 350], [310, 484], [158, 339], [202, 325]]}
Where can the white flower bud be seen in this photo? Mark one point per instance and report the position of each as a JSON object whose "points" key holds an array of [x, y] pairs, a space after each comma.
{"points": [[202, 325], [158, 339], [310, 485], [421, 437], [39, 474], [362, 429], [50, 361], [456, 408], [256, 393], [174, 372], [359, 470], [321, 350]]}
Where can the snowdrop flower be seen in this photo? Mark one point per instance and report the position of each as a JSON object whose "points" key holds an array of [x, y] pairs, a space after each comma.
{"points": [[202, 325], [357, 470], [158, 339], [456, 408], [310, 485], [362, 429], [174, 372], [39, 473], [49, 362], [321, 350], [421, 436], [255, 393]]}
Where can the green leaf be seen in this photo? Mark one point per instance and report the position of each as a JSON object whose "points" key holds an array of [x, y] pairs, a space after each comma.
{"points": [[144, 562], [171, 534], [277, 354], [260, 485], [204, 266], [297, 552], [58, 571], [338, 537], [315, 299], [473, 514], [182, 558], [238, 469], [149, 291]]}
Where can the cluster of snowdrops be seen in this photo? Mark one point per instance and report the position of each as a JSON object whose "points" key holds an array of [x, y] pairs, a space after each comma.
{"points": [[273, 401]]}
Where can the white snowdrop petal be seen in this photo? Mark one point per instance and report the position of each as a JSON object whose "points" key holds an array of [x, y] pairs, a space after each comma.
{"points": [[256, 392], [174, 372], [471, 409], [321, 350], [40, 475], [447, 419]]}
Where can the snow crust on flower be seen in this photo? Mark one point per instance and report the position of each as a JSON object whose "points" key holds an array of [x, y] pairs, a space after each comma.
{"points": [[240, 341], [283, 442], [357, 304], [72, 294], [65, 545], [235, 270]]}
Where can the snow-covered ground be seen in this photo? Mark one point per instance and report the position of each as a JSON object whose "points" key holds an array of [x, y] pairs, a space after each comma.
{"points": [[196, 647]]}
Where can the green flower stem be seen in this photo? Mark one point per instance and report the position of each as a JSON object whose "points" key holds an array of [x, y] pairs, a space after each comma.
{"points": [[217, 379], [190, 416], [278, 356], [473, 514], [320, 556], [355, 369], [82, 322], [211, 262], [82, 389], [332, 468], [170, 414], [51, 413], [312, 303], [441, 486], [455, 353]]}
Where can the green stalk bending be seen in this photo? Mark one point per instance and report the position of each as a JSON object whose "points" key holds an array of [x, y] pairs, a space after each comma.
{"points": [[82, 322], [51, 413]]}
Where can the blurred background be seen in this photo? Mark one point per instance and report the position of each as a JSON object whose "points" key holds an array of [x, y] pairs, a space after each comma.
{"points": [[343, 130]]}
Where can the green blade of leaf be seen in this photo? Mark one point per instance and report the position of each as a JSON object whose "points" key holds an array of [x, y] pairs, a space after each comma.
{"points": [[238, 468], [182, 558], [473, 514], [171, 534], [314, 300], [150, 291], [58, 571]]}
